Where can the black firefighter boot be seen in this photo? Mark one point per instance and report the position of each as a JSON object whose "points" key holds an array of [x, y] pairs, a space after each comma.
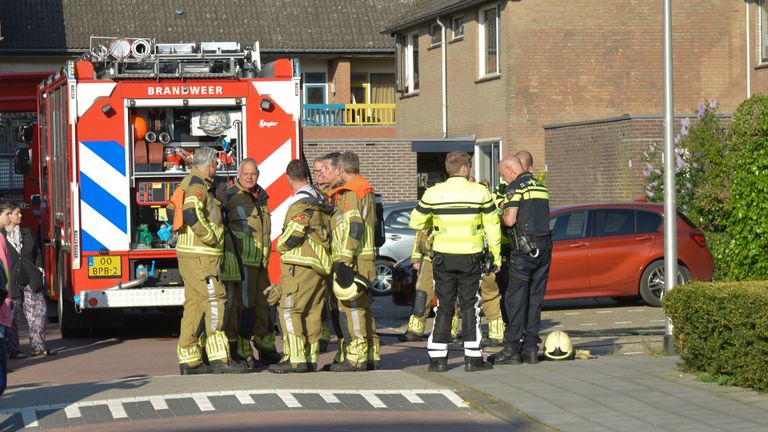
{"points": [[186, 369], [508, 355], [474, 364], [287, 367], [228, 367], [438, 364]]}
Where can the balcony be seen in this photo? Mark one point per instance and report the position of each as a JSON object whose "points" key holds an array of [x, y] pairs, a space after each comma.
{"points": [[349, 114]]}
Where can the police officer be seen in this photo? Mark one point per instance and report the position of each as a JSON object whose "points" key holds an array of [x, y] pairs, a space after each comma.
{"points": [[199, 251], [353, 223], [526, 212], [462, 215], [304, 262], [247, 248]]}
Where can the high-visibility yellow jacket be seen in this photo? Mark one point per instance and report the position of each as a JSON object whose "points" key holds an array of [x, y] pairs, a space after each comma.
{"points": [[463, 217], [422, 246], [250, 222], [305, 238], [203, 231], [353, 221]]}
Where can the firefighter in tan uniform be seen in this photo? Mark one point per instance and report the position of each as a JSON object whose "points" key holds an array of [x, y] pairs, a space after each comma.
{"points": [[305, 261], [199, 251], [353, 223], [246, 258], [320, 166]]}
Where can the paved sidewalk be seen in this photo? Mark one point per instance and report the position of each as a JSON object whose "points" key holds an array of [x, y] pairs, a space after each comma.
{"points": [[613, 393]]}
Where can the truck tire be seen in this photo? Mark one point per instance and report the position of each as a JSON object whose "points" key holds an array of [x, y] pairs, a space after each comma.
{"points": [[71, 324]]}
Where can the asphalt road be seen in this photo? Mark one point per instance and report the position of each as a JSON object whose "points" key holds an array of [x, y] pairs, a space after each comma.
{"points": [[116, 376]]}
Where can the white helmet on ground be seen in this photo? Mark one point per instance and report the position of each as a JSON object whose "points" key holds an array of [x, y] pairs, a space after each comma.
{"points": [[558, 346]]}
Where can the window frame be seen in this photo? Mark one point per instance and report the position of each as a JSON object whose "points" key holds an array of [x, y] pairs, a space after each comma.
{"points": [[483, 43], [454, 35], [307, 85], [495, 157], [411, 85], [435, 30], [762, 24]]}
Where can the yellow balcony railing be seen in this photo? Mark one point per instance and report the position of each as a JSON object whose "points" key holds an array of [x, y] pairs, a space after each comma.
{"points": [[369, 114]]}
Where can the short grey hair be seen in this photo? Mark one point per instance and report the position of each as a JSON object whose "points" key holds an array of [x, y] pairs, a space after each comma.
{"points": [[350, 162], [204, 155]]}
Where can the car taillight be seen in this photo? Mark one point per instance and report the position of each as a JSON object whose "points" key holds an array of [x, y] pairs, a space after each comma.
{"points": [[699, 239]]}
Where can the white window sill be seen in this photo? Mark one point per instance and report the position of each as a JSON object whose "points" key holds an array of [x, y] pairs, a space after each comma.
{"points": [[489, 77]]}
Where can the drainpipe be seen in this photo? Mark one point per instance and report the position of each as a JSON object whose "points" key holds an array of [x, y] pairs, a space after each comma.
{"points": [[749, 62], [443, 48]]}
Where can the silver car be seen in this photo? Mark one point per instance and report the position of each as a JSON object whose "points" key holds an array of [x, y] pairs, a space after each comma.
{"points": [[397, 246]]}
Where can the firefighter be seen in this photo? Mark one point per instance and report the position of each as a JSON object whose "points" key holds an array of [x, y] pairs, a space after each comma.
{"points": [[526, 213], [463, 217], [332, 177], [304, 263], [199, 251], [319, 168], [246, 258], [425, 290], [353, 223]]}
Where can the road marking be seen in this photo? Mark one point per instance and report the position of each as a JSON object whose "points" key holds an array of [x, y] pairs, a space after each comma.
{"points": [[288, 399], [634, 353], [604, 312], [72, 411], [158, 403], [372, 399], [116, 408], [329, 397], [203, 403], [244, 398], [411, 397], [623, 322], [636, 310], [588, 324], [657, 320], [29, 416], [573, 313], [453, 397]]}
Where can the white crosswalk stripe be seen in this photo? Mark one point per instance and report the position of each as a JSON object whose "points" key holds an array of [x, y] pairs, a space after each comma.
{"points": [[117, 407]]}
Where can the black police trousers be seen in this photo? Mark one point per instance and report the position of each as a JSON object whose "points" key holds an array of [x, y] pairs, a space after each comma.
{"points": [[523, 297], [456, 276]]}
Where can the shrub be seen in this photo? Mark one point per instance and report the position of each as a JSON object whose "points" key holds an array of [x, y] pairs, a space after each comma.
{"points": [[747, 161], [721, 329]]}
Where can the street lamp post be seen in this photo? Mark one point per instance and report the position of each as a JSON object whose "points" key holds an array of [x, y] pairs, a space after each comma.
{"points": [[670, 207]]}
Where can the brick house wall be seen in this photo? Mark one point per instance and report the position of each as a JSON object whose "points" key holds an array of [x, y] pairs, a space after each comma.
{"points": [[390, 166], [567, 61], [602, 160]]}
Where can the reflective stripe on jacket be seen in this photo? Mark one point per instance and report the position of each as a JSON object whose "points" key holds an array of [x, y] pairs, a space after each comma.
{"points": [[203, 232], [463, 217]]}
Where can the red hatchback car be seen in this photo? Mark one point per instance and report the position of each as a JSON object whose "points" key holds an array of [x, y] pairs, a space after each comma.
{"points": [[607, 250]]}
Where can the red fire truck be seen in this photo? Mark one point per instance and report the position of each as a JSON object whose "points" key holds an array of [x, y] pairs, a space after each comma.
{"points": [[117, 129]]}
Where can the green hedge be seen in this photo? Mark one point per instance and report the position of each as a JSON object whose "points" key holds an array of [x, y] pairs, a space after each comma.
{"points": [[721, 329]]}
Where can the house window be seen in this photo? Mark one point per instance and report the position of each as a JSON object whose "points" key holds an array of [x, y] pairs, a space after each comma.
{"points": [[410, 63], [437, 34], [314, 88], [763, 32], [458, 27], [489, 41], [360, 88], [487, 157]]}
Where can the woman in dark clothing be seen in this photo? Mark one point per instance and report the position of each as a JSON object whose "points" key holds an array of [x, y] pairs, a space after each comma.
{"points": [[25, 288]]}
